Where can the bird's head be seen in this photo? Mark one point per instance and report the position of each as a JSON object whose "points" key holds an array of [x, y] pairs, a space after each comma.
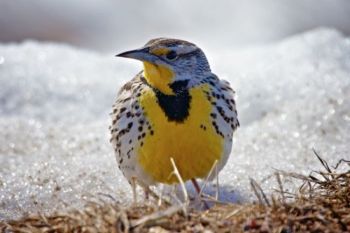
{"points": [[169, 60]]}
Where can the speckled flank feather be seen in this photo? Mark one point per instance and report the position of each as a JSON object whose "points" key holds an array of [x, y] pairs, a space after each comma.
{"points": [[129, 128], [224, 114]]}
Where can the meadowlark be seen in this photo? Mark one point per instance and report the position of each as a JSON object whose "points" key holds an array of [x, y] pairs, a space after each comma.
{"points": [[176, 108]]}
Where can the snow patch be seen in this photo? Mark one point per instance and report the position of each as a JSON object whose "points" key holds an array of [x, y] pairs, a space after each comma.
{"points": [[54, 151]]}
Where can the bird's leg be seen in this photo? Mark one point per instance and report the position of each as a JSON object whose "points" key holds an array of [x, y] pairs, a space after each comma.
{"points": [[196, 185], [133, 186], [146, 191], [198, 189]]}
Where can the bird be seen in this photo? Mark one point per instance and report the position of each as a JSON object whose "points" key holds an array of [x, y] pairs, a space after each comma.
{"points": [[176, 109]]}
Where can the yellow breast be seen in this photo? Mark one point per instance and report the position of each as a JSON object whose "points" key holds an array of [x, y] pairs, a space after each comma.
{"points": [[193, 144]]}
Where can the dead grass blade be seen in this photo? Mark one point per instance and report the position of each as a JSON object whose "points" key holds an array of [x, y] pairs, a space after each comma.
{"points": [[258, 191]]}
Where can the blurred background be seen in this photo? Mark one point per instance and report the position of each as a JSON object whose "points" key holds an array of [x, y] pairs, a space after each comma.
{"points": [[113, 25]]}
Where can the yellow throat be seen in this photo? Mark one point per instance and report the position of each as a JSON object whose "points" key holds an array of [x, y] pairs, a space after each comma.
{"points": [[159, 77]]}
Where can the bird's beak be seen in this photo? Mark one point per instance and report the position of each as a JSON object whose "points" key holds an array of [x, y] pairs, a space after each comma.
{"points": [[138, 54]]}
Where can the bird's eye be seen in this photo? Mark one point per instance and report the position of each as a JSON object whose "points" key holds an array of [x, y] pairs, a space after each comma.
{"points": [[172, 55]]}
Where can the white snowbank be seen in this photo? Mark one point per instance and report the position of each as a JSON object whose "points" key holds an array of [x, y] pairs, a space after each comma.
{"points": [[54, 151]]}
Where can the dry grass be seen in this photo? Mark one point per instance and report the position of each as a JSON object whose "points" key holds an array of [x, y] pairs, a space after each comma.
{"points": [[322, 204]]}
